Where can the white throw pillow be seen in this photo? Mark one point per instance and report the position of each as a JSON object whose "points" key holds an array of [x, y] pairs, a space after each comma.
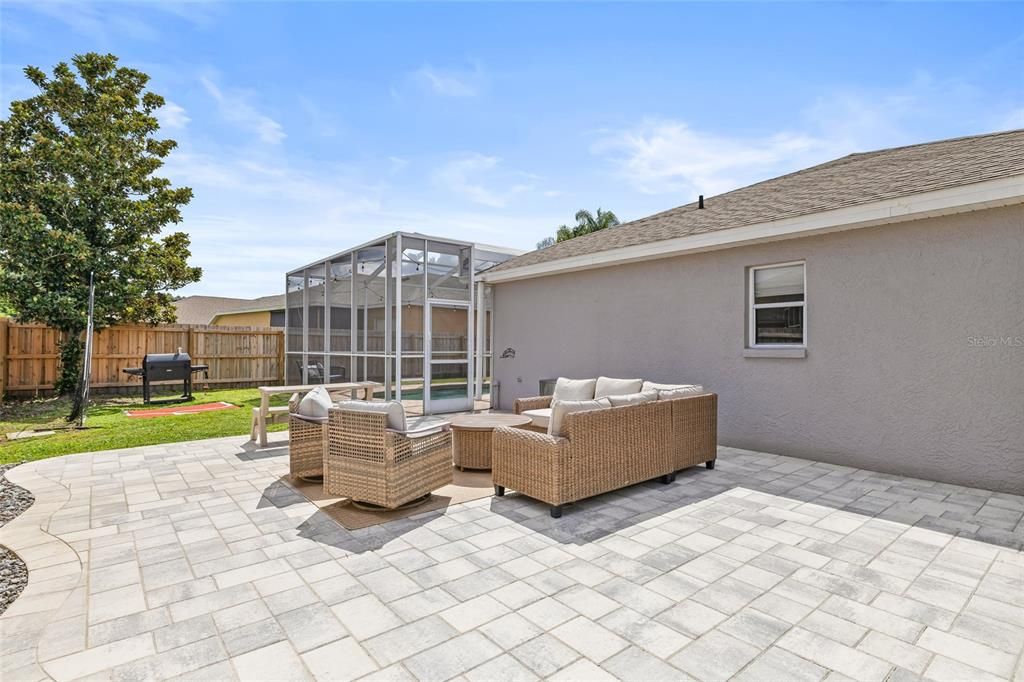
{"points": [[574, 389], [392, 408], [685, 392], [607, 386], [560, 408], [633, 398], [651, 386], [314, 404], [539, 418]]}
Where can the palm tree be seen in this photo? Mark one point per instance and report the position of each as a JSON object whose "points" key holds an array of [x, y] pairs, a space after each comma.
{"points": [[586, 223]]}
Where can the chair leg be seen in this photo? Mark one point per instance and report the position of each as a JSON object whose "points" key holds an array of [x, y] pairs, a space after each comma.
{"points": [[556, 511], [710, 464], [499, 490]]}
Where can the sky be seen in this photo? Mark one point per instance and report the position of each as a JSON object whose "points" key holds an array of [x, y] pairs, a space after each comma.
{"points": [[307, 128]]}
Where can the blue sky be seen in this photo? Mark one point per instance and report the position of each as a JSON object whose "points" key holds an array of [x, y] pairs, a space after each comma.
{"points": [[307, 128]]}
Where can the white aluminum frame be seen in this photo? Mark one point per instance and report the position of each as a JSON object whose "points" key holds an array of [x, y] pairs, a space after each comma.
{"points": [[752, 307]]}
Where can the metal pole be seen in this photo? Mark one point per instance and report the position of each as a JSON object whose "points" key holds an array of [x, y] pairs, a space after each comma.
{"points": [[87, 361]]}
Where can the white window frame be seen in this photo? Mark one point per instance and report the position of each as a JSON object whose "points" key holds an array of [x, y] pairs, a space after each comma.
{"points": [[752, 307]]}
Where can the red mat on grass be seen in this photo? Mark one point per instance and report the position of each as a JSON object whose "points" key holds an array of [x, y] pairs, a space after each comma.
{"points": [[180, 409]]}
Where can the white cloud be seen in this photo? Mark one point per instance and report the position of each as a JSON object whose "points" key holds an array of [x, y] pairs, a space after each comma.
{"points": [[103, 21], [665, 156], [1013, 120], [449, 82], [172, 115], [235, 108], [668, 156], [463, 176], [321, 122]]}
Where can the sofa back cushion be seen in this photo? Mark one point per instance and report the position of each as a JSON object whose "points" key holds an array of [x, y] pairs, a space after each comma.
{"points": [[314, 405], [633, 398], [607, 386], [392, 408], [651, 386], [560, 408], [682, 392], [574, 389]]}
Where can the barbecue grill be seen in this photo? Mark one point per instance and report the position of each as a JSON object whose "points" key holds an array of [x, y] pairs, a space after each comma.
{"points": [[167, 367]]}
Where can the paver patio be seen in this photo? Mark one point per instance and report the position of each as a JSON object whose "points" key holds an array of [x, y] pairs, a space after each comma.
{"points": [[194, 560]]}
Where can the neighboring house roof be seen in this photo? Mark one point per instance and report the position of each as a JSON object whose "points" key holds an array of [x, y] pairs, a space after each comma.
{"points": [[203, 309], [853, 191]]}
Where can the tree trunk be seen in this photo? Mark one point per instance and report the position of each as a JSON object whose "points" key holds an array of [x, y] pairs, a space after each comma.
{"points": [[69, 379]]}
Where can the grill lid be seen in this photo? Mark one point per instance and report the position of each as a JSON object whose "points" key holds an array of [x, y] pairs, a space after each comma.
{"points": [[166, 358]]}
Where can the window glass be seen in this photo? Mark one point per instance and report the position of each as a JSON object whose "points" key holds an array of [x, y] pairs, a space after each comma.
{"points": [[779, 325], [779, 285]]}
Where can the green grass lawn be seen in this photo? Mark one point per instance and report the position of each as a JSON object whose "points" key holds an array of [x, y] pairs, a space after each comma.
{"points": [[107, 426]]}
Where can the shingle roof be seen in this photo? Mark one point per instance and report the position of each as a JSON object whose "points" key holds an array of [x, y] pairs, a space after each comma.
{"points": [[202, 309], [849, 181]]}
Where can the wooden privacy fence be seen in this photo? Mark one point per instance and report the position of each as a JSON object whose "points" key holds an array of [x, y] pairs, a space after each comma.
{"points": [[237, 356]]}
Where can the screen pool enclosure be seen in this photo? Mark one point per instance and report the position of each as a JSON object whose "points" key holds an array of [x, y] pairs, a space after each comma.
{"points": [[405, 310]]}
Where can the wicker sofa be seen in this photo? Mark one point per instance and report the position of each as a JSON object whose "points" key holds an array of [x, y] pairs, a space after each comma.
{"points": [[605, 449]]}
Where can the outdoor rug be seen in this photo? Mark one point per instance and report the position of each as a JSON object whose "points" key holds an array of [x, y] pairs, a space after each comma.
{"points": [[465, 487], [180, 409]]}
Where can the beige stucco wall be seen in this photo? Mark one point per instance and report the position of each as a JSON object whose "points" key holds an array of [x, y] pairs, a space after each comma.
{"points": [[892, 380], [256, 319]]}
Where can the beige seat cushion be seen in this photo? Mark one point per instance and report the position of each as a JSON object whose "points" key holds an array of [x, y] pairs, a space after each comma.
{"points": [[418, 427], [633, 398], [392, 408], [539, 418], [560, 408], [574, 389], [684, 392], [607, 386], [314, 405], [651, 386]]}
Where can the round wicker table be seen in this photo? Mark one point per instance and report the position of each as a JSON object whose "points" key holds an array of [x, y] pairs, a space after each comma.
{"points": [[471, 437]]}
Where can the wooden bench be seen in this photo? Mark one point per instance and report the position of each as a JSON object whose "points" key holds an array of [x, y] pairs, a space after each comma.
{"points": [[275, 415]]}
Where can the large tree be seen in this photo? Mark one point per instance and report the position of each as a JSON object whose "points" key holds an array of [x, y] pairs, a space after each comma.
{"points": [[78, 195]]}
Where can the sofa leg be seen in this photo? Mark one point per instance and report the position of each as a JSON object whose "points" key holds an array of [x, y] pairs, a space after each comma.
{"points": [[499, 490], [672, 477], [666, 479], [556, 511], [710, 464]]}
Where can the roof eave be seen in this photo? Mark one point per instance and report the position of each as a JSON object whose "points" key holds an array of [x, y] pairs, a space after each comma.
{"points": [[959, 199]]}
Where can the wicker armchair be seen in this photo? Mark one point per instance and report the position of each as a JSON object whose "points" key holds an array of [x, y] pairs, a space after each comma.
{"points": [[307, 447], [603, 450], [370, 463]]}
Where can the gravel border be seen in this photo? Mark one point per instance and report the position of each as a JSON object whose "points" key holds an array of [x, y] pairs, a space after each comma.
{"points": [[13, 572]]}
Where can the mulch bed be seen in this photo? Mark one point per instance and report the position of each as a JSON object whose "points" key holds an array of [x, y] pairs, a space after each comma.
{"points": [[13, 572]]}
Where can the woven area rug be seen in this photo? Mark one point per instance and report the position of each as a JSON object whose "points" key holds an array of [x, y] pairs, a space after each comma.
{"points": [[466, 486]]}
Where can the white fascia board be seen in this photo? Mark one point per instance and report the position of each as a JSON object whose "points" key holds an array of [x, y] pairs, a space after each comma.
{"points": [[960, 199]]}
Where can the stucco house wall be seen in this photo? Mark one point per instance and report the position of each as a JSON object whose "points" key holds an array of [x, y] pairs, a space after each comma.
{"points": [[915, 333], [259, 318]]}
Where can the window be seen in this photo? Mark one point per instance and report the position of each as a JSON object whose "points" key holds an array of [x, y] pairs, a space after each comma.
{"points": [[777, 302]]}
